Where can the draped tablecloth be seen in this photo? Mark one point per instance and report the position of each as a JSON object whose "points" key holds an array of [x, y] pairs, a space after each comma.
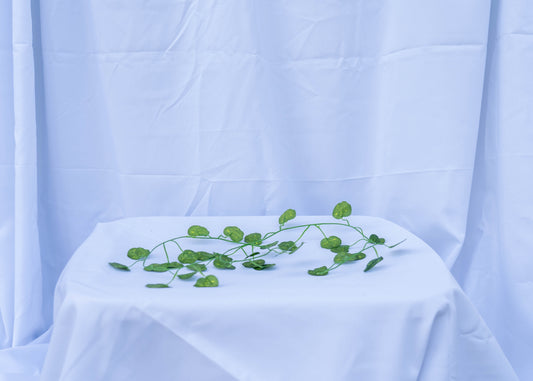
{"points": [[406, 319]]}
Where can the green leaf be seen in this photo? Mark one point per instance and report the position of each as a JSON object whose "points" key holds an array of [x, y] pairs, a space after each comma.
{"points": [[234, 233], [223, 262], [197, 231], [174, 265], [157, 285], [330, 242], [264, 247], [287, 215], [319, 271], [341, 210], [253, 238], [252, 264], [347, 257], [341, 249], [357, 256], [376, 240], [372, 263], [188, 256], [119, 266], [138, 253], [186, 276], [287, 245], [197, 267], [258, 264], [204, 256], [157, 267], [340, 258], [208, 281]]}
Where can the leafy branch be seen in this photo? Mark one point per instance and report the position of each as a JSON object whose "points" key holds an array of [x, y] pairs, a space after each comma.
{"points": [[253, 247]]}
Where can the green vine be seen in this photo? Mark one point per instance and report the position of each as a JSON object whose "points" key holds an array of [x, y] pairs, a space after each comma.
{"points": [[253, 247]]}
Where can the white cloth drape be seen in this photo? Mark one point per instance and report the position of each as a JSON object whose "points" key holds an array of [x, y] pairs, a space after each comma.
{"points": [[415, 111], [20, 262]]}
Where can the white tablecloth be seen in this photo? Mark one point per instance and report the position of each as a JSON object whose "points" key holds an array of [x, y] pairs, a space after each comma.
{"points": [[406, 319]]}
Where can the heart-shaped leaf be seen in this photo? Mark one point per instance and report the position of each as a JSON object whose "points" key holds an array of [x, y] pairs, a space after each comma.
{"points": [[258, 264], [119, 266], [234, 233], [186, 276], [174, 265], [330, 242], [204, 255], [347, 257], [197, 231], [319, 271], [138, 253], [268, 246], [223, 262], [252, 264], [287, 245], [287, 215], [157, 267], [253, 238], [208, 281], [341, 249], [157, 285], [341, 210], [340, 258], [376, 240], [197, 267], [372, 263], [188, 256], [358, 256]]}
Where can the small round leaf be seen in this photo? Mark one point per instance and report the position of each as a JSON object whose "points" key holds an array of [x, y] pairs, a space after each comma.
{"points": [[157, 267], [188, 256], [138, 253], [340, 258], [268, 246], [223, 262], [186, 276], [253, 238], [197, 231], [258, 264], [197, 267], [376, 240], [341, 210], [330, 242], [174, 265], [319, 271], [208, 281], [287, 245], [358, 256], [204, 256], [341, 249], [234, 233], [287, 215], [157, 285], [372, 263], [119, 266]]}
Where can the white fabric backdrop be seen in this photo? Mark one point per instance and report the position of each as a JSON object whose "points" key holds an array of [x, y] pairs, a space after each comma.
{"points": [[419, 112]]}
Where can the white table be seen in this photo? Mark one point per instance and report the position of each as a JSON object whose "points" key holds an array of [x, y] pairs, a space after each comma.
{"points": [[406, 319]]}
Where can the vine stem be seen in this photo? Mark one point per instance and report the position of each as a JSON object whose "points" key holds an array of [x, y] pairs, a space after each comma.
{"points": [[367, 245], [267, 236], [166, 253]]}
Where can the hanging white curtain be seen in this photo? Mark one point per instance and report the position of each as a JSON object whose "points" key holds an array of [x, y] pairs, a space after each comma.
{"points": [[20, 260], [416, 111]]}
